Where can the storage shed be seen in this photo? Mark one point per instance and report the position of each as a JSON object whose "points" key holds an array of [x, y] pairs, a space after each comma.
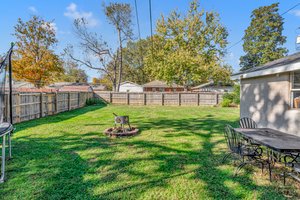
{"points": [[270, 94], [161, 86], [128, 86]]}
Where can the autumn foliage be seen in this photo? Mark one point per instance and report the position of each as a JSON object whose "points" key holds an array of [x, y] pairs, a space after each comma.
{"points": [[34, 60]]}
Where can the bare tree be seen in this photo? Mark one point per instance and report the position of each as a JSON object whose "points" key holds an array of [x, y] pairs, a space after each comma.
{"points": [[119, 15], [95, 52]]}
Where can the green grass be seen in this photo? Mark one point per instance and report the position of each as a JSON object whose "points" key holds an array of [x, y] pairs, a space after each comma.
{"points": [[176, 156]]}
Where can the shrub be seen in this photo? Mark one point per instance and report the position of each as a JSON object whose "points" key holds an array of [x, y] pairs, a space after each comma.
{"points": [[228, 96], [232, 98], [225, 103], [94, 101]]}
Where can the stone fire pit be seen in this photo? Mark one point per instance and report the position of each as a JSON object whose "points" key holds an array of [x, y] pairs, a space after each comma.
{"points": [[121, 131]]}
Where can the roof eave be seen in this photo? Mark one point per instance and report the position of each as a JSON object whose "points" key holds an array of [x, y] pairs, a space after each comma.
{"points": [[270, 71]]}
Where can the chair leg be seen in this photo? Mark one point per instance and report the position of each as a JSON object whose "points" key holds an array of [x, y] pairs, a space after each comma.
{"points": [[270, 172], [262, 167], [239, 168], [226, 156]]}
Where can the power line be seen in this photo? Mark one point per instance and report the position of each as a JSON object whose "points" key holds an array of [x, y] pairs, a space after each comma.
{"points": [[280, 15], [137, 19], [290, 9]]}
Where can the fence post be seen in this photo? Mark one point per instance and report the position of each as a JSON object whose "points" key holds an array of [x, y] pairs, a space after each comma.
{"points": [[56, 102], [179, 99], [198, 99], [78, 98], [145, 99], [162, 99], [18, 107], [41, 105], [217, 98], [127, 98], [69, 100], [110, 97]]}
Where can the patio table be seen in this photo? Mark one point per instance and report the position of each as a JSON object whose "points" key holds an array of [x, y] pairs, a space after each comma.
{"points": [[274, 140], [5, 129]]}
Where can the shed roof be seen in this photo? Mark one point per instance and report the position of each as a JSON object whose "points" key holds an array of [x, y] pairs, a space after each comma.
{"points": [[161, 84], [76, 88], [130, 83], [285, 64]]}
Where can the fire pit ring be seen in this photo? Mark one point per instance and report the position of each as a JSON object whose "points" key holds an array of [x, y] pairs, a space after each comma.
{"points": [[115, 132], [121, 131]]}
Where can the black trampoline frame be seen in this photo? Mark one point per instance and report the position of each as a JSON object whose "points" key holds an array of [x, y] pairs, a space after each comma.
{"points": [[9, 130]]}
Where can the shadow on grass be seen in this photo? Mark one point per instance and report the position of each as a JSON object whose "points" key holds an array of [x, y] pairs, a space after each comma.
{"points": [[58, 168], [57, 117]]}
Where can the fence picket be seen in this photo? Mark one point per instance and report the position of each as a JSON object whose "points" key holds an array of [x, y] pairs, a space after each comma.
{"points": [[27, 106]]}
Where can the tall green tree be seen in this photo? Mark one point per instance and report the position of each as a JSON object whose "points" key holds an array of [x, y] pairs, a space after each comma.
{"points": [[263, 39], [35, 60], [134, 57], [73, 73], [188, 49], [119, 15]]}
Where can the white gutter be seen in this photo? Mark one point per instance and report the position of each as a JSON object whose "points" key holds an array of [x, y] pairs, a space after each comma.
{"points": [[265, 72]]}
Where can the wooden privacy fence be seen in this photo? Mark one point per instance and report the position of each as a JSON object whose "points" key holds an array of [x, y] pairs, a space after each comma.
{"points": [[27, 106], [164, 98]]}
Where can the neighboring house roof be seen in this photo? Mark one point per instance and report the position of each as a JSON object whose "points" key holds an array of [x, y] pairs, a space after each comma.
{"points": [[76, 88], [99, 87], [34, 90], [62, 84], [125, 82], [203, 85], [70, 87], [161, 84], [285, 64], [212, 87], [20, 86]]}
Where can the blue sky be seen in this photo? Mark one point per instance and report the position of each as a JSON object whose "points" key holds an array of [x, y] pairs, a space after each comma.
{"points": [[234, 14]]}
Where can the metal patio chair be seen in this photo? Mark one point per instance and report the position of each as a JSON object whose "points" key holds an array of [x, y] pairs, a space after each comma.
{"points": [[292, 162], [6, 127], [247, 122], [247, 152]]}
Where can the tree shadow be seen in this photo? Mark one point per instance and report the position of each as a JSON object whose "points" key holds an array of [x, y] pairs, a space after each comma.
{"points": [[88, 165], [173, 162], [60, 117]]}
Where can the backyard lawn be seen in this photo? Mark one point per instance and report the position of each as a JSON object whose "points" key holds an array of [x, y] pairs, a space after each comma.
{"points": [[176, 156]]}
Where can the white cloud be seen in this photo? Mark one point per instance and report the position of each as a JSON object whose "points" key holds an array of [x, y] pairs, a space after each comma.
{"points": [[73, 13], [295, 12], [32, 9], [53, 26]]}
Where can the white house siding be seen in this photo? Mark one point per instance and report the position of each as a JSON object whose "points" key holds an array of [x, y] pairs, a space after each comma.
{"points": [[266, 99], [130, 87]]}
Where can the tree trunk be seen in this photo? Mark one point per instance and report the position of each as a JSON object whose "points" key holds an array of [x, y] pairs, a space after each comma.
{"points": [[120, 60], [115, 72]]}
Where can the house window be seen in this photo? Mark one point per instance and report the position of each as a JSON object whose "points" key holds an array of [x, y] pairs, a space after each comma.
{"points": [[296, 89]]}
